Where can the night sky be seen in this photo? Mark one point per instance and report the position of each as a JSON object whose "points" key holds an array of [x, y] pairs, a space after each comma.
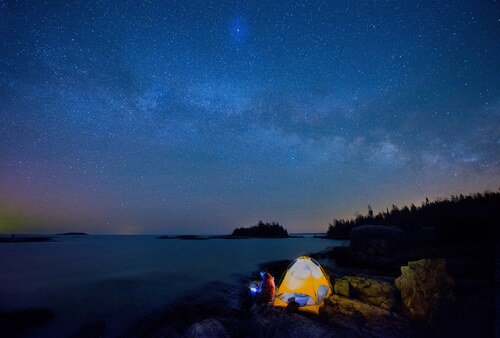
{"points": [[201, 116]]}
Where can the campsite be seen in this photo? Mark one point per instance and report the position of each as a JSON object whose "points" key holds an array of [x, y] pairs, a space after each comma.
{"points": [[249, 168], [425, 298]]}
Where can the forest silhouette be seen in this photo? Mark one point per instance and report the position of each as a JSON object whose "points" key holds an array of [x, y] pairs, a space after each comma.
{"points": [[455, 219]]}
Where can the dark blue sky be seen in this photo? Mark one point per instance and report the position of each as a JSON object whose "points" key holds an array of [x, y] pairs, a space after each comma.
{"points": [[200, 116]]}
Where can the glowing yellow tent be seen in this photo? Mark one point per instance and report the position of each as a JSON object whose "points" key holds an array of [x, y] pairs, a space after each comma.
{"points": [[305, 283]]}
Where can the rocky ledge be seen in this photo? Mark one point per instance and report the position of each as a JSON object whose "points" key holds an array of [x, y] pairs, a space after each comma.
{"points": [[422, 302], [224, 313]]}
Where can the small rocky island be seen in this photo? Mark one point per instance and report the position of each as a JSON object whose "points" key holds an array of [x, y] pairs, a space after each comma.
{"points": [[262, 230], [72, 234]]}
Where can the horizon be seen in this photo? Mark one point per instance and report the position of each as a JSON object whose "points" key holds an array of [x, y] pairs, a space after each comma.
{"points": [[375, 211], [201, 117], [159, 234]]}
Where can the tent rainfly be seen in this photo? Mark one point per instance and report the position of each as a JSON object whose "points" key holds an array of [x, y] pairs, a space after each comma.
{"points": [[305, 283]]}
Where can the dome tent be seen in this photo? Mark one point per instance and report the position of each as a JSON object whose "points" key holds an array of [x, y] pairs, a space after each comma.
{"points": [[305, 283]]}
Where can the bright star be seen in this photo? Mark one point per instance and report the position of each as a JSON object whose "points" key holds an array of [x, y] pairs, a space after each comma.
{"points": [[238, 30]]}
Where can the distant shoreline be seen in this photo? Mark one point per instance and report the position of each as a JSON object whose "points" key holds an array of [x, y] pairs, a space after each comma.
{"points": [[25, 239], [31, 238]]}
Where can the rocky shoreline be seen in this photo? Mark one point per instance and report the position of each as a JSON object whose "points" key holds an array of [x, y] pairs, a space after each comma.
{"points": [[359, 307], [390, 285]]}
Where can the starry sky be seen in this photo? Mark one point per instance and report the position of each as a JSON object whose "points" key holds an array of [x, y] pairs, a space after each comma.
{"points": [[148, 117]]}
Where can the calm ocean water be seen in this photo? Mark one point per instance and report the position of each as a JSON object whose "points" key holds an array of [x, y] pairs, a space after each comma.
{"points": [[118, 278]]}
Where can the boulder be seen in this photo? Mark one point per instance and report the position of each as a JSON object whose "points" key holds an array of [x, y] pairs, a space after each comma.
{"points": [[208, 328], [377, 239], [426, 289], [424, 235], [374, 246], [360, 312], [341, 287], [365, 320], [369, 290]]}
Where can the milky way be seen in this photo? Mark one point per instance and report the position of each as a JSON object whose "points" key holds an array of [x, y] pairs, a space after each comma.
{"points": [[200, 116]]}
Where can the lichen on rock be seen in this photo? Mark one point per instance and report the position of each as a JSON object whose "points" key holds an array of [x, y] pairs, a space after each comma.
{"points": [[369, 290], [425, 286]]}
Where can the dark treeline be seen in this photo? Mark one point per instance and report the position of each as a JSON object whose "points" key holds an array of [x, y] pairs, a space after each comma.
{"points": [[273, 229], [457, 218]]}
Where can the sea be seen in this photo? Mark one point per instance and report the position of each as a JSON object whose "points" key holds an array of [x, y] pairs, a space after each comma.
{"points": [[119, 278]]}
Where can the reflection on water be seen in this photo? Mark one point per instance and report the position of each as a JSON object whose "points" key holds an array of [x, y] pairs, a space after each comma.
{"points": [[116, 278]]}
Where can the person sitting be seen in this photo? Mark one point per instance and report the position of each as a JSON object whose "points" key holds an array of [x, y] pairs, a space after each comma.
{"points": [[267, 288]]}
